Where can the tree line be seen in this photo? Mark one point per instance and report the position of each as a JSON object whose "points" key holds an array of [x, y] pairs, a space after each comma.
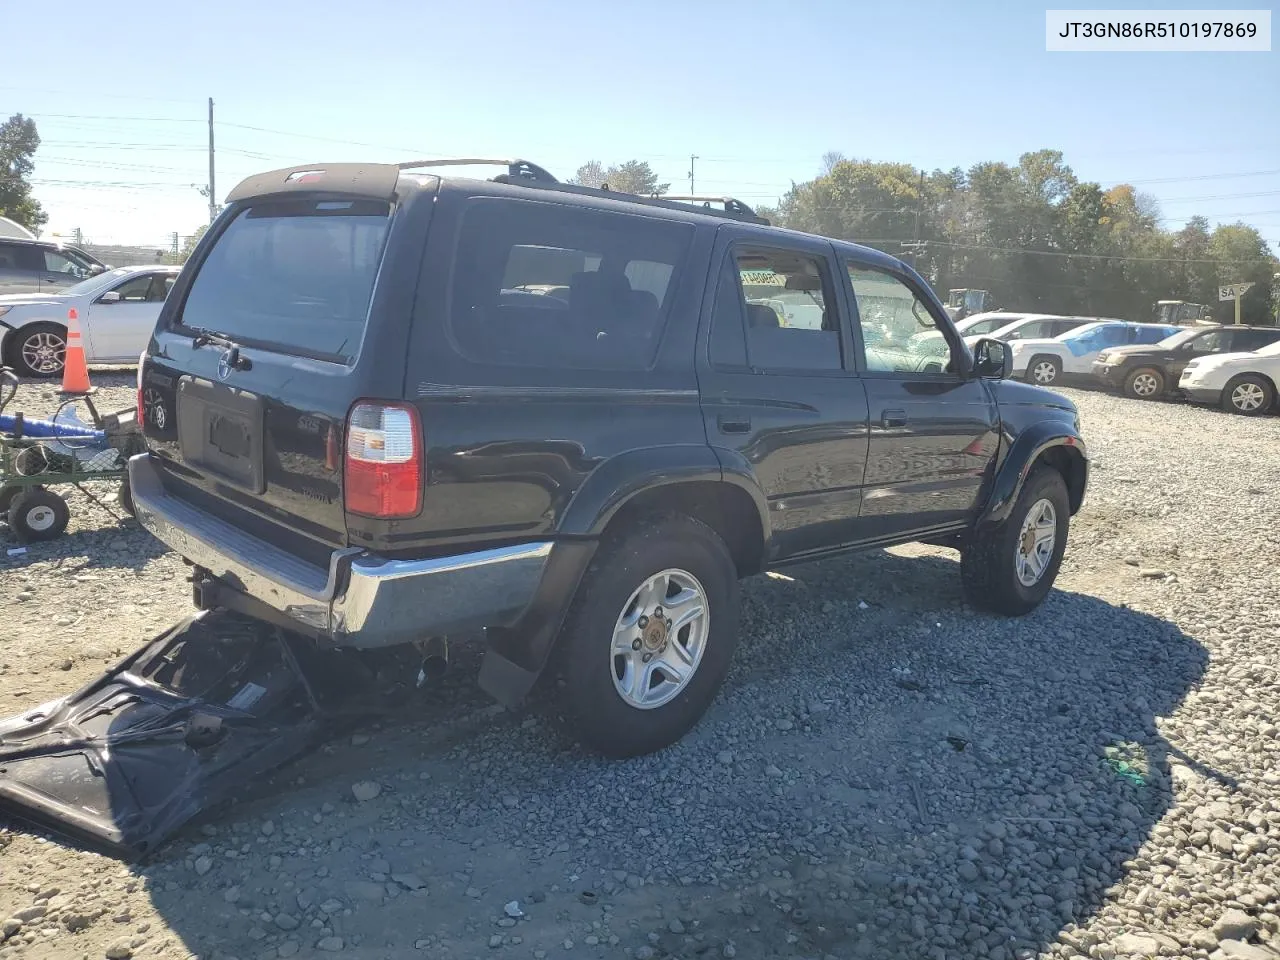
{"points": [[1034, 235]]}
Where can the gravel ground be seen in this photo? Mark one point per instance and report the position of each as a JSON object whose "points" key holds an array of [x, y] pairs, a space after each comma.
{"points": [[885, 773]]}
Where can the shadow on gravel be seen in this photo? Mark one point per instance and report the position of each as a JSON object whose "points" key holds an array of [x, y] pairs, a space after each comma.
{"points": [[885, 774]]}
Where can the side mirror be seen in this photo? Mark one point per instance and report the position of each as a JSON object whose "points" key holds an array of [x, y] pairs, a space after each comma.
{"points": [[96, 269], [111, 296], [992, 360]]}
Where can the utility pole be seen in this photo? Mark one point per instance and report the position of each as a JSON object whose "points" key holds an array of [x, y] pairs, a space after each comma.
{"points": [[692, 159], [213, 202], [916, 245]]}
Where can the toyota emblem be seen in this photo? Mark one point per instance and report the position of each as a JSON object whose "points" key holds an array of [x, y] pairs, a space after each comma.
{"points": [[226, 363]]}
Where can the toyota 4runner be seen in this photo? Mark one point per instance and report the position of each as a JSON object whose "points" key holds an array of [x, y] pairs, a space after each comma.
{"points": [[389, 406]]}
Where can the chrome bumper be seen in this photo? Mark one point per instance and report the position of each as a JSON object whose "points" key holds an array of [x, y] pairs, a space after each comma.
{"points": [[361, 600]]}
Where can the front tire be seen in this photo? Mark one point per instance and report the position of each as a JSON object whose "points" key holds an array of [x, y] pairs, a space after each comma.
{"points": [[1145, 383], [39, 350], [38, 514], [1009, 567], [650, 635], [1249, 395], [1044, 370]]}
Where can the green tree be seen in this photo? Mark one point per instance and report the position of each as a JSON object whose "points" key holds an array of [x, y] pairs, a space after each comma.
{"points": [[18, 144], [633, 176], [1242, 256]]}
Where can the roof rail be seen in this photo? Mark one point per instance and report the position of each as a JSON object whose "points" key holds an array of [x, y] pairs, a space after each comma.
{"points": [[516, 169], [731, 205]]}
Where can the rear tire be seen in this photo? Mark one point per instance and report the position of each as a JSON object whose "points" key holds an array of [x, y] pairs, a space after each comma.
{"points": [[622, 698], [1248, 395], [38, 514], [1145, 383], [39, 350], [1044, 370], [989, 564]]}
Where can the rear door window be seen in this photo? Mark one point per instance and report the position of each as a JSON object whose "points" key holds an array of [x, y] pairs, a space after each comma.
{"points": [[555, 286], [293, 275]]}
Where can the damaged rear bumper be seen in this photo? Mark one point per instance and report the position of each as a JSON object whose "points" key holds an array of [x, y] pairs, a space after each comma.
{"points": [[361, 599], [179, 726]]}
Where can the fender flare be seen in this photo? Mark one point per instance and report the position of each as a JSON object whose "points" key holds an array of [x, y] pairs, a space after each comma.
{"points": [[614, 483], [517, 655], [1022, 456]]}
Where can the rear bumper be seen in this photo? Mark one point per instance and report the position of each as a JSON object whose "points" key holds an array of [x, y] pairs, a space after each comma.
{"points": [[362, 599]]}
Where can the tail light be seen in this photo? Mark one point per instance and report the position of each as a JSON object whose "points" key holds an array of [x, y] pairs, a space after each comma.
{"points": [[384, 466], [142, 359]]}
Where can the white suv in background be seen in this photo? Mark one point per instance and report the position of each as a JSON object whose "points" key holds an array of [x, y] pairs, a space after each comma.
{"points": [[1071, 354], [1238, 382]]}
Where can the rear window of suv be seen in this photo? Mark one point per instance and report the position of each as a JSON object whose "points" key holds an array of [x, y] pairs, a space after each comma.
{"points": [[553, 285], [293, 275]]}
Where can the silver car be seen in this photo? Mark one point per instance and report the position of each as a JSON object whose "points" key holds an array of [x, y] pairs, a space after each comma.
{"points": [[43, 266], [116, 310]]}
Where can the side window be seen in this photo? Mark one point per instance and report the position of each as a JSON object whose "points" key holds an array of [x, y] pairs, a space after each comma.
{"points": [[8, 260], [1214, 342], [1246, 341], [161, 284], [890, 314], [1113, 336], [728, 339], [1034, 330], [55, 262], [784, 297], [1149, 335], [28, 258], [556, 286], [135, 289]]}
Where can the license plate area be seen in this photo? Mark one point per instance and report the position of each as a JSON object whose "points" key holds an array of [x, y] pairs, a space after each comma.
{"points": [[220, 433]]}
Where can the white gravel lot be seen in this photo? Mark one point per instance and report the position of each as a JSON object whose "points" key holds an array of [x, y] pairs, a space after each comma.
{"points": [[885, 774]]}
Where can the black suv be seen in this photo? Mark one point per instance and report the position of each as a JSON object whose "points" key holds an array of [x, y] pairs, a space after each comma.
{"points": [[1149, 372], [389, 407]]}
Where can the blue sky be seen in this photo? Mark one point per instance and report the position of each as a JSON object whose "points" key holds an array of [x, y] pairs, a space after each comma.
{"points": [[758, 96]]}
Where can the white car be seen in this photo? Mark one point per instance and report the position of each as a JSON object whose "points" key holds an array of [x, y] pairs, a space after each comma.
{"points": [[1034, 326], [1240, 382], [117, 311], [1071, 354], [931, 342]]}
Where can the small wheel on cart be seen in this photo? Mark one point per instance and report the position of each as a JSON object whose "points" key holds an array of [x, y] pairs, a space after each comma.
{"points": [[6, 497], [38, 514], [125, 497]]}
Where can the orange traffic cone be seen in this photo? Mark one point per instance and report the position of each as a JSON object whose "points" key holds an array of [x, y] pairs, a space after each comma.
{"points": [[75, 372]]}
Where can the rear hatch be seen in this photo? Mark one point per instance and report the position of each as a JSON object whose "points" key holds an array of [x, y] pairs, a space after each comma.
{"points": [[258, 360]]}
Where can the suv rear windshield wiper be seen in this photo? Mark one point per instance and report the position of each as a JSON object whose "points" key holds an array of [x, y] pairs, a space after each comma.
{"points": [[205, 337]]}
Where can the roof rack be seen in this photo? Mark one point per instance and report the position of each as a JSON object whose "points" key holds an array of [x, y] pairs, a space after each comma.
{"points": [[516, 169], [525, 173]]}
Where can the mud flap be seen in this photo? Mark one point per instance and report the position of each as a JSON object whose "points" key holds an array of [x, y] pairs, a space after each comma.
{"points": [[179, 726]]}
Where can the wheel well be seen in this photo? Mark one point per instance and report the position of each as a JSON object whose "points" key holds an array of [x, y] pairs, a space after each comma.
{"points": [[1254, 373], [9, 341], [1070, 463], [726, 508]]}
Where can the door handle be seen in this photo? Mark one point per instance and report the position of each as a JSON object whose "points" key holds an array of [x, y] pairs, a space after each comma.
{"points": [[893, 418], [733, 425]]}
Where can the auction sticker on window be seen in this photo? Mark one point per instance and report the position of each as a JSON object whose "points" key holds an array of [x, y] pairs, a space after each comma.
{"points": [[1139, 31]]}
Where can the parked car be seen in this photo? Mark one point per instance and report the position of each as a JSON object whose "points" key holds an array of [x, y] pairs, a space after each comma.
{"points": [[1238, 382], [1071, 354], [933, 343], [43, 266], [1037, 326], [117, 311], [385, 435], [1150, 372]]}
